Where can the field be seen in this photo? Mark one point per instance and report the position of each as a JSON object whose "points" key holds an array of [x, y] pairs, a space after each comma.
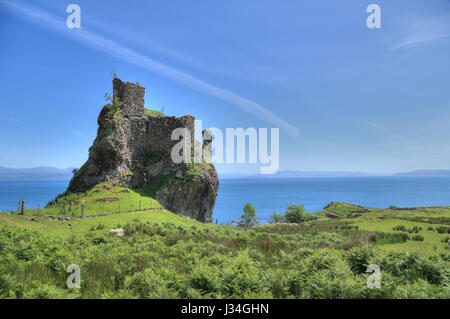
{"points": [[164, 255]]}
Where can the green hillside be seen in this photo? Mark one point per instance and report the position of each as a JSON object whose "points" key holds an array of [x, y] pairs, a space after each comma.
{"points": [[164, 255]]}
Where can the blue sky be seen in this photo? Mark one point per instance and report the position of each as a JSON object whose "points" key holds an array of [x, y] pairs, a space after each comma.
{"points": [[344, 96]]}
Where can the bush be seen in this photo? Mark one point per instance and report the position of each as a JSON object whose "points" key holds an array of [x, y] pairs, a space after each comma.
{"points": [[296, 214], [417, 238], [391, 238], [277, 218], [202, 279], [415, 229], [400, 228], [443, 229], [359, 258]]}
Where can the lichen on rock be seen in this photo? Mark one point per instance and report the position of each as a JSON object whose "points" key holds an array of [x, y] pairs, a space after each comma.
{"points": [[133, 150]]}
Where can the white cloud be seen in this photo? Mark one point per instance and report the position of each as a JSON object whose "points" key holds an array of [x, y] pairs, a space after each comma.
{"points": [[118, 51], [419, 31]]}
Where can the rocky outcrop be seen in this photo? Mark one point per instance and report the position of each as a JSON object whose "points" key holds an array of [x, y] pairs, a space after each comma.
{"points": [[133, 149]]}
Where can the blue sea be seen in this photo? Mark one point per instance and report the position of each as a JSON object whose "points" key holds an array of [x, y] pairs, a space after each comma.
{"points": [[268, 195], [34, 193]]}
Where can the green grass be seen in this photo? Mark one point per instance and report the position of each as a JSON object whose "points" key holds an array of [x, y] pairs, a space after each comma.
{"points": [[153, 113], [103, 198], [432, 240], [165, 255]]}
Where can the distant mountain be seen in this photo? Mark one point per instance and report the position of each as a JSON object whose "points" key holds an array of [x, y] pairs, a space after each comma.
{"points": [[36, 173], [297, 174], [304, 174], [426, 172], [311, 174]]}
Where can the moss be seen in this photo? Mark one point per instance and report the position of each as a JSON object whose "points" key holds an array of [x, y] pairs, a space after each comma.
{"points": [[153, 157], [153, 113], [127, 173], [193, 170], [155, 185]]}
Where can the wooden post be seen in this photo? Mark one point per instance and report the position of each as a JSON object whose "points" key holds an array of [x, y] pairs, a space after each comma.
{"points": [[139, 205], [82, 210], [70, 207], [22, 209]]}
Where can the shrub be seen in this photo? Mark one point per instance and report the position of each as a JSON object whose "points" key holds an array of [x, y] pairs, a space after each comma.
{"points": [[443, 229], [417, 238], [277, 218], [415, 229], [359, 258], [400, 228], [391, 238], [202, 279], [296, 214]]}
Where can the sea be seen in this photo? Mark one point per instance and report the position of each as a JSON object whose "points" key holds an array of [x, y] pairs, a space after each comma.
{"points": [[271, 194]]}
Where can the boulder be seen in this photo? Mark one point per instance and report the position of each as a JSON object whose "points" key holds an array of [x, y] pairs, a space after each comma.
{"points": [[118, 232]]}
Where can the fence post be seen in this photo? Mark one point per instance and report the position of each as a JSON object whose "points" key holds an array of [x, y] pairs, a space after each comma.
{"points": [[70, 207], [22, 209], [139, 205], [82, 210]]}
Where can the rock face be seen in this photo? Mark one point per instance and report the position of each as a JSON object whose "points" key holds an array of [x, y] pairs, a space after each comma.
{"points": [[133, 149]]}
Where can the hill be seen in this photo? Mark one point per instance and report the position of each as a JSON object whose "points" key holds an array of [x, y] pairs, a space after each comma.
{"points": [[36, 173], [424, 172], [165, 255]]}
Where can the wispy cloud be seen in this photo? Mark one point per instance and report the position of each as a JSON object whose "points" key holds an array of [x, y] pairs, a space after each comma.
{"points": [[9, 119], [116, 50], [423, 31]]}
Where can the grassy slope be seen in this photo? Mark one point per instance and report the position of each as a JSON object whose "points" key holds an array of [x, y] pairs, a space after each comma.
{"points": [[103, 198], [189, 259], [384, 220], [79, 227]]}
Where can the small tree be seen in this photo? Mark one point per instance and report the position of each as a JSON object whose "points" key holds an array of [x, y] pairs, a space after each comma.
{"points": [[296, 214], [115, 102], [277, 218], [249, 217]]}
